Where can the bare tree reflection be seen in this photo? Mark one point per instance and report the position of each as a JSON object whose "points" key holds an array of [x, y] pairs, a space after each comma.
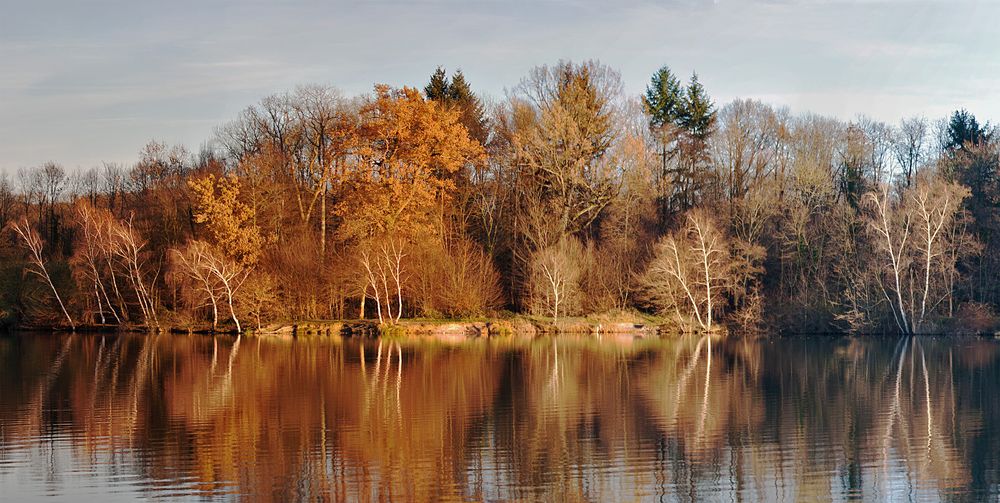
{"points": [[683, 418]]}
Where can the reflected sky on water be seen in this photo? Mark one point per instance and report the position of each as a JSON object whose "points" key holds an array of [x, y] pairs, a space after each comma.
{"points": [[569, 419]]}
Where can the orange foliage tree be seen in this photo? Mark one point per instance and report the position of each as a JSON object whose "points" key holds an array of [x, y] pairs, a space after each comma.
{"points": [[230, 222], [221, 270], [407, 154]]}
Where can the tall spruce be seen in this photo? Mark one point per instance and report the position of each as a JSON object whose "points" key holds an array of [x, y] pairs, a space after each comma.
{"points": [[437, 89], [698, 113], [457, 93], [963, 129], [664, 98]]}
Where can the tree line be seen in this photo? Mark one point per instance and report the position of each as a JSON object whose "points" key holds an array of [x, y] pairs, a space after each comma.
{"points": [[566, 197]]}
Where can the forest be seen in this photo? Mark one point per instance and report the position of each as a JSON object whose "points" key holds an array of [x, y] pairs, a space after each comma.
{"points": [[566, 197]]}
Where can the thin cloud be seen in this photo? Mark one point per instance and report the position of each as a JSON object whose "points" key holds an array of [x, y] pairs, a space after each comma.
{"points": [[145, 70]]}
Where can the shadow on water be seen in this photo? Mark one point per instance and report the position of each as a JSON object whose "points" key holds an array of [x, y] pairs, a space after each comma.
{"points": [[569, 418]]}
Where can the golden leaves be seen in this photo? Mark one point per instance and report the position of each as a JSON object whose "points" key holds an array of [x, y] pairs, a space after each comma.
{"points": [[408, 152], [229, 221]]}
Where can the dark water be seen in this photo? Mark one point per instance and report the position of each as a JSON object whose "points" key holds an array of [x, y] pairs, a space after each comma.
{"points": [[113, 418]]}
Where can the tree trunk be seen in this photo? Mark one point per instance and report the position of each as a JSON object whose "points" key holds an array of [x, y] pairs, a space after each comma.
{"points": [[322, 220]]}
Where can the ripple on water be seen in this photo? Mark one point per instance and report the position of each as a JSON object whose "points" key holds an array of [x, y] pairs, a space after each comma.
{"points": [[192, 418]]}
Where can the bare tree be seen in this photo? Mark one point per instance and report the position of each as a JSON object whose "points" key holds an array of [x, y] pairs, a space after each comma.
{"points": [[878, 148], [555, 278], [86, 184], [8, 200], [231, 276], [909, 146], [569, 117], [90, 257], [29, 184], [53, 179], [893, 230], [129, 247], [383, 265], [746, 146], [326, 129], [935, 207], [188, 265], [690, 272], [915, 233], [33, 243], [114, 181]]}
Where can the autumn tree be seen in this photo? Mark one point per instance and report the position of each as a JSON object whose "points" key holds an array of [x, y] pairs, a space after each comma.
{"points": [[230, 222], [564, 145], [294, 146], [220, 269], [400, 183], [456, 93], [316, 204]]}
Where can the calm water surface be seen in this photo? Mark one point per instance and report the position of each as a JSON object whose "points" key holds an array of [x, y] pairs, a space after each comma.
{"points": [[90, 417]]}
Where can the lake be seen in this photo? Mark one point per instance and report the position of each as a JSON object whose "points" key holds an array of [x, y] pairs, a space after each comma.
{"points": [[120, 417]]}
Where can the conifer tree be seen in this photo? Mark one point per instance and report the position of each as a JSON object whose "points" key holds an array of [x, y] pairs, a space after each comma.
{"points": [[472, 115], [458, 88], [438, 88], [683, 118], [963, 128], [664, 98], [698, 112]]}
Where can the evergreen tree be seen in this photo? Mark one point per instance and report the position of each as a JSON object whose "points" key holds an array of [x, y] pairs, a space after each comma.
{"points": [[438, 88], [963, 128], [456, 93], [692, 113], [458, 89], [473, 116], [664, 99], [698, 112]]}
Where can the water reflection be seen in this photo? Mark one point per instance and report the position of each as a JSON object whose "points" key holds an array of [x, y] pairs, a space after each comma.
{"points": [[682, 419]]}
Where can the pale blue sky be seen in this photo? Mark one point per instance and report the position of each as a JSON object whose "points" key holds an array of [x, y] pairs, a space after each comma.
{"points": [[86, 81]]}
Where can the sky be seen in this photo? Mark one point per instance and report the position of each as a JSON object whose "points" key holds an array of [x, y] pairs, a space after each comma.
{"points": [[88, 81]]}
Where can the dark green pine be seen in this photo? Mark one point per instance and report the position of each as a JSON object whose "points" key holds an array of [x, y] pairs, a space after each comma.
{"points": [[438, 89], [664, 98]]}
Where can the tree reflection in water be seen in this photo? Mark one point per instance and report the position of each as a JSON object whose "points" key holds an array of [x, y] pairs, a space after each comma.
{"points": [[570, 418]]}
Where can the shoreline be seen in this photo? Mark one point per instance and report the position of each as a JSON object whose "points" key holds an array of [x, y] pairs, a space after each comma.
{"points": [[446, 329], [451, 330]]}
